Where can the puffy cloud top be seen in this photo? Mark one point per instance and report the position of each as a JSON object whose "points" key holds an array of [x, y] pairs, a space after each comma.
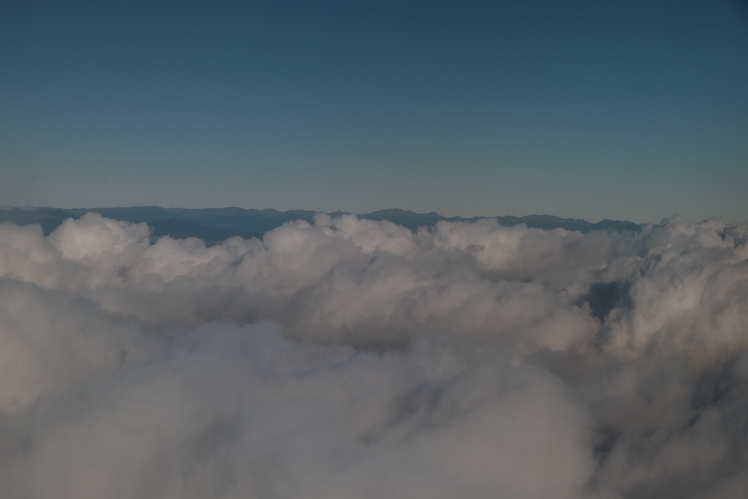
{"points": [[356, 358]]}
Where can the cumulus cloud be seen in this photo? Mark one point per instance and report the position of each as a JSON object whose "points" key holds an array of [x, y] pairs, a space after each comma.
{"points": [[356, 358]]}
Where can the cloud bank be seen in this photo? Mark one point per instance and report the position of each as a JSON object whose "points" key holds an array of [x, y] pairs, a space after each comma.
{"points": [[354, 358]]}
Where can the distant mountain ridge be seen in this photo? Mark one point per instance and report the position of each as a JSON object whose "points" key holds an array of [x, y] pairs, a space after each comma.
{"points": [[214, 225]]}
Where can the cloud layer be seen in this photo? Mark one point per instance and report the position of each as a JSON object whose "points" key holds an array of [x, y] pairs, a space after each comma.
{"points": [[355, 358]]}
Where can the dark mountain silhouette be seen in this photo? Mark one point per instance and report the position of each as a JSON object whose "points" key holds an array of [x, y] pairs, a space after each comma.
{"points": [[214, 225], [131, 214], [409, 219], [182, 229], [48, 218]]}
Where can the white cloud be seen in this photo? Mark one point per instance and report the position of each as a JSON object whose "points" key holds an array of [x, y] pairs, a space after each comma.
{"points": [[355, 358]]}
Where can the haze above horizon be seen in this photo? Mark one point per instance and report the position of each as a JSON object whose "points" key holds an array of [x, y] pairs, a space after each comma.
{"points": [[588, 110]]}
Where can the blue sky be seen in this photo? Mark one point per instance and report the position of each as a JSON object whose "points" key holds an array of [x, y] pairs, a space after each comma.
{"points": [[631, 110]]}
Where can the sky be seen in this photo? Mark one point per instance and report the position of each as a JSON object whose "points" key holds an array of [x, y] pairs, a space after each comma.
{"points": [[629, 110]]}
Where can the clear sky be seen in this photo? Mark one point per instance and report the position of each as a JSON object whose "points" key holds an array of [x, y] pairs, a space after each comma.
{"points": [[595, 109]]}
